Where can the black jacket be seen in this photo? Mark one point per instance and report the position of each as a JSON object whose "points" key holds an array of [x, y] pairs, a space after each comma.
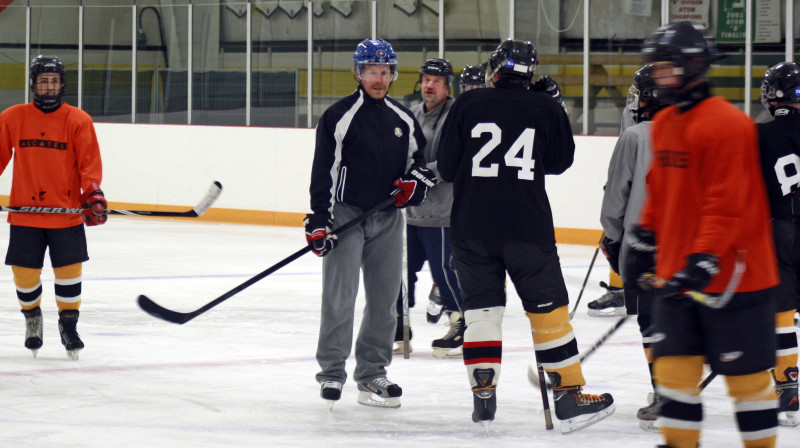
{"points": [[362, 146]]}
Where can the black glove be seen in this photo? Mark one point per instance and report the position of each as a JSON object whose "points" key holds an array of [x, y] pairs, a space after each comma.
{"points": [[611, 251], [318, 227], [641, 258], [547, 85], [699, 270], [414, 186]]}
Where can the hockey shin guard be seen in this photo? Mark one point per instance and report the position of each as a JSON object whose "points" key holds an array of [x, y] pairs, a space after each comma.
{"points": [[483, 342], [755, 403], [681, 413], [29, 286], [786, 357], [68, 286], [556, 347]]}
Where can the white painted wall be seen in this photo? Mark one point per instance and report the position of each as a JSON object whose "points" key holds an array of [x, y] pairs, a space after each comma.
{"points": [[269, 169]]}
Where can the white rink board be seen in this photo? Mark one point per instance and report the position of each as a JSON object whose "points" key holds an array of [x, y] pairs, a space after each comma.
{"points": [[269, 169]]}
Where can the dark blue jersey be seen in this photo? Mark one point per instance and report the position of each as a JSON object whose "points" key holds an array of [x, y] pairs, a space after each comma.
{"points": [[496, 146], [362, 146]]}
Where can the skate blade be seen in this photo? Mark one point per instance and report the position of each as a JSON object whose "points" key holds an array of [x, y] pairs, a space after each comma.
{"points": [[648, 425], [485, 426], [330, 404], [607, 312], [787, 418], [448, 352], [73, 354], [582, 421], [370, 399], [34, 351]]}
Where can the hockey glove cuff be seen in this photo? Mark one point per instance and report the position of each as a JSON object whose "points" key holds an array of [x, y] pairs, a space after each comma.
{"points": [[94, 204], [318, 235], [699, 270], [549, 86], [641, 258], [414, 186]]}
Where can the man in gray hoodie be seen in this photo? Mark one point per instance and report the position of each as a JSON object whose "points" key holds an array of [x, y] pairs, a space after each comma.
{"points": [[428, 225]]}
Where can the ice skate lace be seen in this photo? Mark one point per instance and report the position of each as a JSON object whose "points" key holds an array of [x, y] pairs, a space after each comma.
{"points": [[609, 298], [382, 383], [33, 325], [589, 398], [454, 330]]}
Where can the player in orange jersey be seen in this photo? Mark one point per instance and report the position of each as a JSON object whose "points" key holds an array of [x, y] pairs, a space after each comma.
{"points": [[56, 164]]}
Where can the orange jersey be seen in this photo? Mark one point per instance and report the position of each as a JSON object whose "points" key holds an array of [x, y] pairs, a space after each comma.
{"points": [[706, 194], [55, 156]]}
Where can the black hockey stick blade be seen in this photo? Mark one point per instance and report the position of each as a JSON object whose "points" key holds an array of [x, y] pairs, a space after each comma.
{"points": [[156, 310], [212, 195]]}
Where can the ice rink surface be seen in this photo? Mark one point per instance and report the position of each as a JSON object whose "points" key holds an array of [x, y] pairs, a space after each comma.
{"points": [[242, 375]]}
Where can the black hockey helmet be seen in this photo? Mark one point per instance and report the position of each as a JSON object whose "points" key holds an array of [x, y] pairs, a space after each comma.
{"points": [[47, 64], [437, 67], [514, 58], [642, 90], [472, 75], [781, 85], [685, 44]]}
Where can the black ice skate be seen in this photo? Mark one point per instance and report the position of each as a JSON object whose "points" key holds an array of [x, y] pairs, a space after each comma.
{"points": [[450, 346], [787, 398], [33, 329], [610, 304], [577, 410], [331, 392], [484, 399], [435, 308], [379, 392], [67, 327], [399, 344], [647, 415]]}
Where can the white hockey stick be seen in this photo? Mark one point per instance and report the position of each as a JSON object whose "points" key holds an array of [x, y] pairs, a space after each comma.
{"points": [[211, 196]]}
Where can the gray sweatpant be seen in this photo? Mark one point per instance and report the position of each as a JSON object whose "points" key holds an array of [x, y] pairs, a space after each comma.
{"points": [[375, 247]]}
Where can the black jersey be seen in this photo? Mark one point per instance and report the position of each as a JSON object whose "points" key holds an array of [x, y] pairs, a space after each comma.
{"points": [[779, 143], [496, 146]]}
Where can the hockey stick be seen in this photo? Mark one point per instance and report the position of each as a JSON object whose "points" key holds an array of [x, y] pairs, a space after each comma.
{"points": [[591, 265], [605, 336], [548, 419], [176, 317], [212, 195]]}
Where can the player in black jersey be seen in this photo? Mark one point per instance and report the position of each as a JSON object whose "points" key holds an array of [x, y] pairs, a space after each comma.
{"points": [[497, 145], [779, 143]]}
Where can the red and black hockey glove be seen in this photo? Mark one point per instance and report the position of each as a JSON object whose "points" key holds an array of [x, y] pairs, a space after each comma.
{"points": [[318, 235], [611, 251], [414, 186], [94, 206], [699, 270]]}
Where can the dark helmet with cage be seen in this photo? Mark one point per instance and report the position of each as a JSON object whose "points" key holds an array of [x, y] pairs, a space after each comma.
{"points": [[781, 85], [642, 91], [375, 52], [437, 67], [472, 75], [688, 46], [514, 58], [47, 64]]}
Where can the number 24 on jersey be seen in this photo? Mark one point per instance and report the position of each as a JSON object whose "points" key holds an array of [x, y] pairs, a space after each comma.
{"points": [[519, 155]]}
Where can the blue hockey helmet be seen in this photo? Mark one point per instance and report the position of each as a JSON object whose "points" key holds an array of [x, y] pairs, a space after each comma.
{"points": [[375, 52]]}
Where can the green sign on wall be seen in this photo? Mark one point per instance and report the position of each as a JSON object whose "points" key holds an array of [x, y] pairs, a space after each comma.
{"points": [[731, 21]]}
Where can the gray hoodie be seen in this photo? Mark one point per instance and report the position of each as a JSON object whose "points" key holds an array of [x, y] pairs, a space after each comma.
{"points": [[435, 211]]}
